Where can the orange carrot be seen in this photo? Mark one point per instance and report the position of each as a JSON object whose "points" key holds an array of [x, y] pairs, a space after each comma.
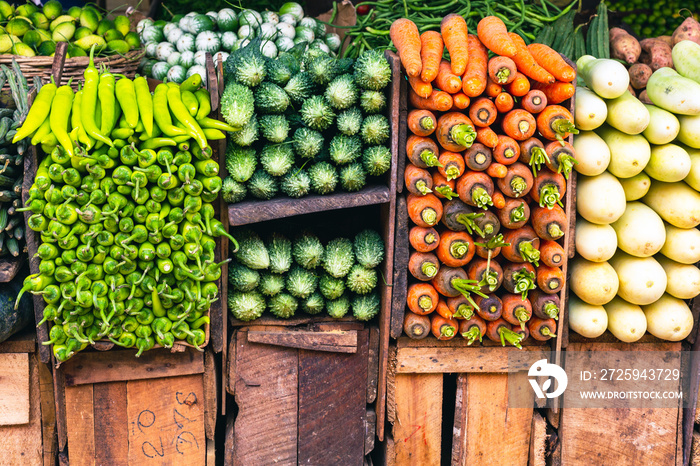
{"points": [[523, 247], [452, 165], [492, 88], [544, 306], [460, 101], [422, 151], [455, 33], [430, 54], [517, 182], [551, 61], [421, 122], [474, 79], [418, 180], [497, 170], [519, 124], [475, 189], [542, 329], [507, 150], [455, 131], [514, 214], [485, 252], [487, 137], [550, 279], [504, 102], [422, 298], [488, 274], [473, 329], [444, 310], [549, 224], [490, 307], [446, 80], [438, 101], [483, 112], [556, 92], [404, 34], [423, 265], [548, 188], [423, 239], [494, 35], [460, 307], [416, 327], [442, 187], [499, 200], [420, 87], [456, 248], [552, 254], [516, 311], [532, 153], [526, 62], [519, 86], [424, 211], [502, 70], [478, 157], [534, 101], [442, 328], [560, 157], [555, 123]]}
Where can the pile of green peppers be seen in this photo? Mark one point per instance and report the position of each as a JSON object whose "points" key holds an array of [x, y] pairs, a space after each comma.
{"points": [[122, 203]]}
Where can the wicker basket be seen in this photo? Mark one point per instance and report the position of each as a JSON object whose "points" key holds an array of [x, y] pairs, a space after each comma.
{"points": [[74, 67]]}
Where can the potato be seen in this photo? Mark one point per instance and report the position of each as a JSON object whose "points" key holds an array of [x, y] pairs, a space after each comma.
{"points": [[624, 46], [644, 98], [639, 75], [688, 30], [658, 54]]}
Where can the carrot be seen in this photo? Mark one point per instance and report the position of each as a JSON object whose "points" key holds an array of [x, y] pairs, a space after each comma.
{"points": [[420, 87], [542, 329], [422, 298], [516, 311], [415, 326], [446, 80], [551, 253], [455, 34], [523, 332], [423, 239], [517, 182], [550, 279], [455, 131], [453, 281], [482, 112], [492, 88], [443, 329], [519, 124], [422, 151], [549, 224], [551, 61], [532, 153], [526, 62], [478, 157], [424, 211], [443, 188], [499, 200], [494, 35], [430, 54], [519, 86], [504, 102], [452, 165], [423, 265], [487, 137], [474, 79], [519, 278], [486, 224], [456, 248], [548, 188], [456, 215], [490, 307], [443, 310], [560, 157], [497, 170], [487, 273], [438, 101], [544, 306], [418, 180], [404, 34], [514, 214], [507, 150], [534, 101], [491, 248], [502, 70], [475, 189], [421, 122], [460, 307], [524, 245], [460, 101], [556, 92], [472, 329]]}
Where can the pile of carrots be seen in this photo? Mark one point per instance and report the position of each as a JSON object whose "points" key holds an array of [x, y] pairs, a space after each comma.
{"points": [[486, 178]]}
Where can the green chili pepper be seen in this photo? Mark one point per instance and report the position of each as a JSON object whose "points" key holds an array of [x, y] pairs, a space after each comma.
{"points": [[58, 119], [145, 103], [105, 91], [161, 114], [126, 95], [37, 113], [88, 103], [144, 344]]}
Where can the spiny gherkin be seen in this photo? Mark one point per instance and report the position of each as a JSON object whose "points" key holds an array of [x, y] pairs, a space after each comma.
{"points": [[280, 250], [338, 257], [349, 122], [248, 135], [307, 142], [324, 178], [283, 305], [372, 70], [301, 282], [322, 69], [372, 101], [245, 306], [271, 284], [376, 160], [316, 113], [275, 128], [300, 87], [352, 177], [232, 191], [341, 93], [277, 159], [242, 278], [252, 251], [308, 251], [365, 307], [246, 65], [375, 129], [314, 304], [277, 71], [296, 183], [331, 287], [361, 280], [344, 149], [240, 162], [338, 308], [237, 104], [270, 98], [263, 185], [368, 246]]}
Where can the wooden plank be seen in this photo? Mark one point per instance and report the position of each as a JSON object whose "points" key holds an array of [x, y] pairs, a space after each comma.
{"points": [[59, 391], [538, 441], [332, 406], [165, 419], [266, 381], [442, 360], [690, 411], [80, 418], [210, 386], [417, 433], [268, 320], [370, 430], [111, 428], [22, 342], [229, 442], [230, 368], [48, 413], [121, 365], [14, 389], [459, 432], [401, 253], [336, 341], [372, 365], [503, 431]]}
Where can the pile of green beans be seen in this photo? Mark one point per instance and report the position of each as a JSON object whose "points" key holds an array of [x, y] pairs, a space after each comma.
{"points": [[372, 29]]}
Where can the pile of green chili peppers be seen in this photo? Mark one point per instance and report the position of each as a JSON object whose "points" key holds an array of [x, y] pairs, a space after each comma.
{"points": [[122, 203]]}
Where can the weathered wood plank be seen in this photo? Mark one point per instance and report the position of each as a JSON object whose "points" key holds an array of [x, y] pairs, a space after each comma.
{"points": [[401, 253], [59, 391], [459, 432], [332, 406], [691, 411], [210, 386], [268, 320], [372, 365], [14, 389], [336, 341], [48, 412], [418, 431], [121, 365], [370, 430], [266, 382], [111, 428], [22, 342], [80, 417], [230, 368], [459, 360]]}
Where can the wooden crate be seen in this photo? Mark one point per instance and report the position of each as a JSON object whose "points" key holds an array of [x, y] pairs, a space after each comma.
{"points": [[302, 394], [450, 403], [27, 416]]}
